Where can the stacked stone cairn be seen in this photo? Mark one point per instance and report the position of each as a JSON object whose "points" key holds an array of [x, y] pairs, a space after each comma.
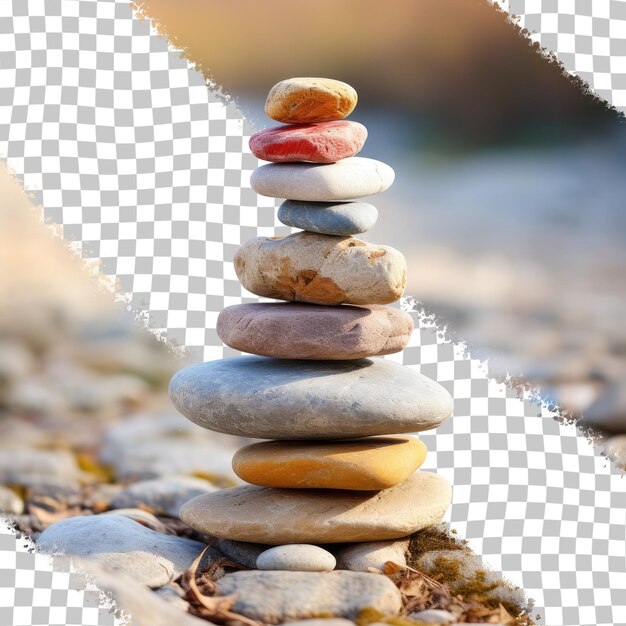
{"points": [[336, 471]]}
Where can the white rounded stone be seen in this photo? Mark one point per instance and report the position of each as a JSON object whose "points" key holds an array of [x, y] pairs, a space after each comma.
{"points": [[433, 616], [347, 179], [297, 557]]}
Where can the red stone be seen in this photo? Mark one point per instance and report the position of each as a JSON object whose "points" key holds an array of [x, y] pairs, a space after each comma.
{"points": [[326, 142]]}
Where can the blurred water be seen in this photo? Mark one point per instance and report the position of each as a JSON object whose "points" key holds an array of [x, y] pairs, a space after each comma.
{"points": [[522, 251]]}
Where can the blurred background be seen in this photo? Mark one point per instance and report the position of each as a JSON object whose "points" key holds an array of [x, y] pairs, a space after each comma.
{"points": [[510, 179], [509, 204]]}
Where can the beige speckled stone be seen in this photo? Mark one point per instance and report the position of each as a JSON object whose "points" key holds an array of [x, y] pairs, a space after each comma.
{"points": [[306, 331], [278, 516], [321, 269], [306, 100]]}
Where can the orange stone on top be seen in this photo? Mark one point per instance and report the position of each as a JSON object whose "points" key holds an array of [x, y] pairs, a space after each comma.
{"points": [[372, 463], [307, 100]]}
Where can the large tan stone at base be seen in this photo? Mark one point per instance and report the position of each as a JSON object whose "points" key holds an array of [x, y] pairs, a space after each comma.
{"points": [[367, 464], [321, 269], [278, 516]]}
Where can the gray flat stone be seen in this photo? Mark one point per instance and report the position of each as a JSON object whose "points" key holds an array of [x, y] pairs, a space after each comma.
{"points": [[329, 218], [242, 552], [163, 496], [119, 543], [286, 399], [275, 597], [146, 607]]}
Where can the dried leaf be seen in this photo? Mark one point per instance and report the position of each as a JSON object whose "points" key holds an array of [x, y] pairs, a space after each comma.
{"points": [[217, 609]]}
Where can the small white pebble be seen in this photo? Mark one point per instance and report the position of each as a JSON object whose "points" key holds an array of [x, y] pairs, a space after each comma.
{"points": [[433, 616], [301, 557]]}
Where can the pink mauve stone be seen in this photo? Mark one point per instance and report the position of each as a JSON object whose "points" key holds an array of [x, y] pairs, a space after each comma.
{"points": [[326, 142]]}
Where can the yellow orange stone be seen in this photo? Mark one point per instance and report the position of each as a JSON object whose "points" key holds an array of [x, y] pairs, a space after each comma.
{"points": [[365, 464], [306, 100]]}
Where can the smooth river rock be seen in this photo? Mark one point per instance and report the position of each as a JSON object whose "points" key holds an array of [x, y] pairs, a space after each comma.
{"points": [[316, 332], [119, 543], [266, 398], [347, 179], [321, 269], [163, 496], [364, 464], [306, 100], [361, 557], [296, 557], [317, 143], [329, 218], [276, 597], [433, 616], [279, 516], [242, 552]]}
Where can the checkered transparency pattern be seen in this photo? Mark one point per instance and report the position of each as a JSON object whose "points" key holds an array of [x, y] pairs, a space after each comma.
{"points": [[39, 589], [532, 496], [144, 167], [587, 36], [148, 170]]}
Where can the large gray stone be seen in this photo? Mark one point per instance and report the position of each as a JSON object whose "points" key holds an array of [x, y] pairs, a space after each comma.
{"points": [[350, 178], [119, 543], [313, 332], [275, 597], [280, 516], [143, 606], [282, 399], [329, 218]]}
